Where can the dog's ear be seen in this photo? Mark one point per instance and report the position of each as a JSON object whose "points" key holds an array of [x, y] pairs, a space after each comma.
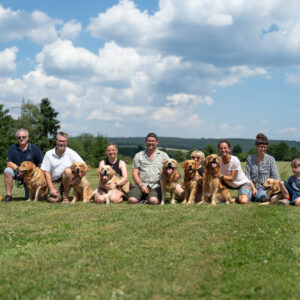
{"points": [[84, 168], [183, 164], [276, 187], [72, 167]]}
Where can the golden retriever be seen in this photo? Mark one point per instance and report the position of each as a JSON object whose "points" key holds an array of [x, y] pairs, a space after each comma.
{"points": [[106, 175], [274, 191], [168, 179], [35, 180], [213, 191], [192, 187], [82, 190]]}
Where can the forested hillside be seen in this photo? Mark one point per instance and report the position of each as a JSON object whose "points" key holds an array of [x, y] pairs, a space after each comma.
{"points": [[187, 144]]}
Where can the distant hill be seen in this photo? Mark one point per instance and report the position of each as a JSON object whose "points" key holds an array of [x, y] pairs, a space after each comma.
{"points": [[187, 144]]}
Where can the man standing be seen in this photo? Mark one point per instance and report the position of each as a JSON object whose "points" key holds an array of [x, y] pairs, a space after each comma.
{"points": [[56, 164], [146, 169], [17, 153]]}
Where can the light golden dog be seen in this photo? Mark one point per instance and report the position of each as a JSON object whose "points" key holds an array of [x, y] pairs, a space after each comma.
{"points": [[168, 179], [106, 175], [35, 180], [212, 190], [274, 191], [82, 190], [192, 188]]}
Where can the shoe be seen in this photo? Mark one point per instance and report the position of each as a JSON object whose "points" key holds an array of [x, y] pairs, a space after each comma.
{"points": [[284, 202], [7, 198]]}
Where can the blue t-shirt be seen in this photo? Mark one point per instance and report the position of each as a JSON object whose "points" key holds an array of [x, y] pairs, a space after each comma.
{"points": [[294, 183], [33, 153]]}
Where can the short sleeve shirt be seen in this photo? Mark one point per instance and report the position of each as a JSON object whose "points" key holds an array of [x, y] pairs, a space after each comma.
{"points": [[234, 165], [149, 170], [33, 153], [56, 165]]}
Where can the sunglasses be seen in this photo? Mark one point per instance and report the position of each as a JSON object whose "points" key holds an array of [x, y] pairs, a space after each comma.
{"points": [[21, 137], [196, 157]]}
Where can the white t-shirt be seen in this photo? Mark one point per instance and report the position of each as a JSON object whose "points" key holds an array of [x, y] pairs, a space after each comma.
{"points": [[234, 165], [56, 165]]}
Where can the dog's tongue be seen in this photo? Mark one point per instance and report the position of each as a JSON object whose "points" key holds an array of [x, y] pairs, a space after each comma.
{"points": [[105, 176], [80, 174], [214, 165], [170, 171]]}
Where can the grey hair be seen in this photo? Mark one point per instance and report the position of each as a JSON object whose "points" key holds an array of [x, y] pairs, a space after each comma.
{"points": [[22, 129], [61, 133]]}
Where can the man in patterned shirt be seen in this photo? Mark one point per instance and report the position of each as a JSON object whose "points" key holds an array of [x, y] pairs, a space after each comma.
{"points": [[146, 168]]}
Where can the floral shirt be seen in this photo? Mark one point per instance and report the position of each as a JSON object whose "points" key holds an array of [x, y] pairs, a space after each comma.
{"points": [[149, 170]]}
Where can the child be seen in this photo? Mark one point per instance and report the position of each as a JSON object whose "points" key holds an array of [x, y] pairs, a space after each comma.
{"points": [[293, 184]]}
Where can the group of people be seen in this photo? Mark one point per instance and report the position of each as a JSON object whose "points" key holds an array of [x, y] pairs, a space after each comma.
{"points": [[146, 169]]}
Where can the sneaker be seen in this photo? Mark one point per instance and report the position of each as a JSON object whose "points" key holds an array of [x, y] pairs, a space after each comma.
{"points": [[7, 198], [284, 202]]}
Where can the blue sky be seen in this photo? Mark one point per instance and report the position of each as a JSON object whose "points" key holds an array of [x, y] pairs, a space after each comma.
{"points": [[212, 69]]}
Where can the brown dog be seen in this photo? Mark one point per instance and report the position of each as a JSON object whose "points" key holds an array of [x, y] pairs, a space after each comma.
{"points": [[168, 179], [274, 191], [192, 187], [82, 190], [35, 180], [213, 191], [106, 175]]}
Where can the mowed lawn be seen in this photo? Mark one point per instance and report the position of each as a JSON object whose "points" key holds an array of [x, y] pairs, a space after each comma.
{"points": [[90, 251]]}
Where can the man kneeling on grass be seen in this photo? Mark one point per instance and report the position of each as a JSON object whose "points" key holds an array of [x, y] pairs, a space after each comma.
{"points": [[146, 168], [56, 164]]}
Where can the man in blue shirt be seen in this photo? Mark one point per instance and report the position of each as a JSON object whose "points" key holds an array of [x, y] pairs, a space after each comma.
{"points": [[17, 153]]}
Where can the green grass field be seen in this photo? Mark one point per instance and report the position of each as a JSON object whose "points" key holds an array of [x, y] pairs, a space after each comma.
{"points": [[56, 251]]}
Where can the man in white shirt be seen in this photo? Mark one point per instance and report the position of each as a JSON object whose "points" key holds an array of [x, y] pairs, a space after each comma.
{"points": [[56, 164]]}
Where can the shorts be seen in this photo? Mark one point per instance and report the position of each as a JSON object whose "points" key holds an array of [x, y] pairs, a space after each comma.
{"points": [[13, 174], [244, 189], [136, 192], [58, 186]]}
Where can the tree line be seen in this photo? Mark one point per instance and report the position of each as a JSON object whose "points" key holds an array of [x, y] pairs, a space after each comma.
{"points": [[41, 122], [281, 152]]}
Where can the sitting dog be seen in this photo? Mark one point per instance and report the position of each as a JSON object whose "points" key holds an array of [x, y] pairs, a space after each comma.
{"points": [[274, 192], [212, 190], [35, 180], [82, 190], [168, 179], [107, 175], [192, 187]]}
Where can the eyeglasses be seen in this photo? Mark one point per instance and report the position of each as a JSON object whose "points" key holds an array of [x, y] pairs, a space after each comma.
{"points": [[196, 157], [22, 137]]}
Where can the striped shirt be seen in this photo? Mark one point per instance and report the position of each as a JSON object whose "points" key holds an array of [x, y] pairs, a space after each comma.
{"points": [[259, 173], [149, 170]]}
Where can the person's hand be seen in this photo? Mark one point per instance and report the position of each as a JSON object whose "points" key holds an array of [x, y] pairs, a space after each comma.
{"points": [[218, 175], [198, 178], [176, 177], [53, 193], [144, 189], [297, 201], [254, 192], [110, 186]]}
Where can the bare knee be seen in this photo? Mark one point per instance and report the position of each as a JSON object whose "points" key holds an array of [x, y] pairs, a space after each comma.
{"points": [[153, 200], [132, 200], [116, 198], [243, 199], [100, 198]]}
